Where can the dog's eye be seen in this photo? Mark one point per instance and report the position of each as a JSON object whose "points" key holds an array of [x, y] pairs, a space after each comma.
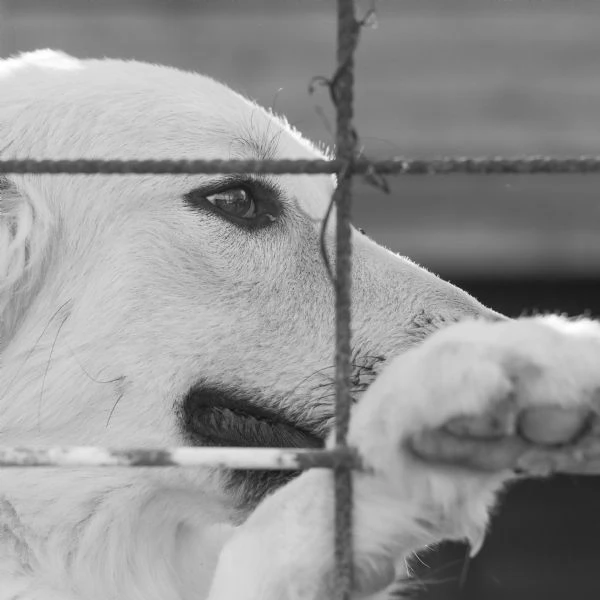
{"points": [[237, 202], [249, 206]]}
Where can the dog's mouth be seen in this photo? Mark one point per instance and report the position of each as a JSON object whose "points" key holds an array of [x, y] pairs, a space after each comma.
{"points": [[213, 416]]}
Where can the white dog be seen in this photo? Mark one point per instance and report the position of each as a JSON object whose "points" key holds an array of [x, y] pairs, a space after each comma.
{"points": [[172, 310]]}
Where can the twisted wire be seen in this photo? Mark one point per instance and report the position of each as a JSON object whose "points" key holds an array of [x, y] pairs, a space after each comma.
{"points": [[483, 165], [342, 92]]}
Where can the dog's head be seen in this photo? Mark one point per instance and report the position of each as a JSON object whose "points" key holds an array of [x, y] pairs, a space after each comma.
{"points": [[154, 310]]}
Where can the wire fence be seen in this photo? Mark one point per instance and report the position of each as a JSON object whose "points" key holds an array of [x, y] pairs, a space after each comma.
{"points": [[341, 459]]}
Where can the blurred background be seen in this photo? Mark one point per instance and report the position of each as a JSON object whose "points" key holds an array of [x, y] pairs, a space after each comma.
{"points": [[434, 77]]}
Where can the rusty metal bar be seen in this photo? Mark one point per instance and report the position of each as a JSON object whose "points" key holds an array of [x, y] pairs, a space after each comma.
{"points": [[342, 93], [524, 165], [280, 459]]}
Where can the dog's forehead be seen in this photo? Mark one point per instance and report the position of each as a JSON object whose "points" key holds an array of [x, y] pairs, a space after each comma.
{"points": [[163, 102], [138, 110]]}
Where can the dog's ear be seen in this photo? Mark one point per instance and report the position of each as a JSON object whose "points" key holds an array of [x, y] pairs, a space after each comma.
{"points": [[24, 231]]}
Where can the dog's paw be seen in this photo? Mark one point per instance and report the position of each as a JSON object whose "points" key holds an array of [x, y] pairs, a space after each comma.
{"points": [[547, 419], [447, 423]]}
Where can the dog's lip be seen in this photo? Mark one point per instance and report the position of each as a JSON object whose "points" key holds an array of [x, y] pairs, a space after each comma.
{"points": [[232, 417]]}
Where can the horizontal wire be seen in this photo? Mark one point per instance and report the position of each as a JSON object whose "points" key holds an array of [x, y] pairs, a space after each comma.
{"points": [[278, 459], [394, 166]]}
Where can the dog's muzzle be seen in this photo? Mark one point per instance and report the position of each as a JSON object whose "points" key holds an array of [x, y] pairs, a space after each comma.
{"points": [[223, 417]]}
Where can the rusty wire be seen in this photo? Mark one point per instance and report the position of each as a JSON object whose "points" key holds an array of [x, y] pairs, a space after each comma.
{"points": [[279, 459], [342, 95], [446, 165]]}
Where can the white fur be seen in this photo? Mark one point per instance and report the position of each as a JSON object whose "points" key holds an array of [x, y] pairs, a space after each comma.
{"points": [[115, 297]]}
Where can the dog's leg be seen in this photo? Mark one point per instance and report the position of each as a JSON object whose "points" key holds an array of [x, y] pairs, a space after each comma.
{"points": [[493, 376]]}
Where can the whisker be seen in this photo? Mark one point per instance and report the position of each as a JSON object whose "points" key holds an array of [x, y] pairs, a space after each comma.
{"points": [[48, 368], [413, 580], [34, 347], [114, 406], [91, 377], [303, 381]]}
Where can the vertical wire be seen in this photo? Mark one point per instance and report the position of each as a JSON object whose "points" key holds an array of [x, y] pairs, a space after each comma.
{"points": [[4, 47], [342, 92]]}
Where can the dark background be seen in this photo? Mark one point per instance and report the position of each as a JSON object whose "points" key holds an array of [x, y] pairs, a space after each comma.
{"points": [[435, 77]]}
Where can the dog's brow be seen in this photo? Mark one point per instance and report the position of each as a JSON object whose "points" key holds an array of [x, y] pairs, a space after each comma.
{"points": [[261, 146]]}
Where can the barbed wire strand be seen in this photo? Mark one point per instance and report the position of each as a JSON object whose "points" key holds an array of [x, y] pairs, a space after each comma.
{"points": [[342, 92], [481, 165]]}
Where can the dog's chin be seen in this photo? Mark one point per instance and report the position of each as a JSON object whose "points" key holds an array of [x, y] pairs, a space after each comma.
{"points": [[217, 416]]}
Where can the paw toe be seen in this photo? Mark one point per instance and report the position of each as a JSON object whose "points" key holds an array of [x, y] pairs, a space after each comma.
{"points": [[495, 424], [536, 440], [554, 425]]}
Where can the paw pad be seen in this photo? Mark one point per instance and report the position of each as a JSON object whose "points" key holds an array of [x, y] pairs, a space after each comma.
{"points": [[536, 440], [554, 425]]}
